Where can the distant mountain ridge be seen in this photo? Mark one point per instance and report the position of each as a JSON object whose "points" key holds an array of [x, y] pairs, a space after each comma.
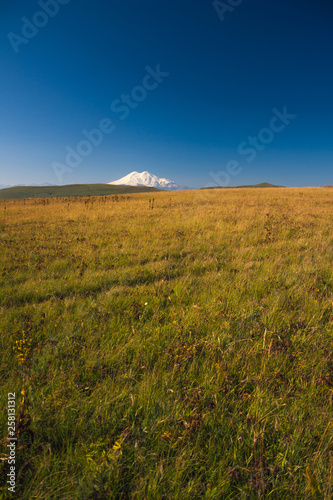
{"points": [[5, 186], [20, 192], [261, 185], [147, 179]]}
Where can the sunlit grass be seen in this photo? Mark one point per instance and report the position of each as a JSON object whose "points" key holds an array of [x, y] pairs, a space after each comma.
{"points": [[180, 351]]}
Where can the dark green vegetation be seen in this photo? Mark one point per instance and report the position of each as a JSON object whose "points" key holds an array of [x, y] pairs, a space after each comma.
{"points": [[21, 192], [182, 351], [253, 186], [261, 185]]}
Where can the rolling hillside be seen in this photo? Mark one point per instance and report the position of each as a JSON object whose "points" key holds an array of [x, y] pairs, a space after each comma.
{"points": [[21, 192], [261, 185]]}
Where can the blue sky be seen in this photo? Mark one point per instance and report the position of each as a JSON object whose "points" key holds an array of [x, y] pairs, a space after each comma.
{"points": [[207, 120]]}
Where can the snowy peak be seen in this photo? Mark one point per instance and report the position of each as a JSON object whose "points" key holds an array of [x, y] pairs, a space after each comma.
{"points": [[146, 179]]}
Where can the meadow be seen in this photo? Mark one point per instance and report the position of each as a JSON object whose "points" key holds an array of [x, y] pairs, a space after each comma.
{"points": [[176, 348]]}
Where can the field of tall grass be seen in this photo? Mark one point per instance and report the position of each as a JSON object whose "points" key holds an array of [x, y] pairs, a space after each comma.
{"points": [[176, 348]]}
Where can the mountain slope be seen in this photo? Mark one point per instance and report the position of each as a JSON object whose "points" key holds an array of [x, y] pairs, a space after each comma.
{"points": [[20, 192], [4, 186], [261, 185]]}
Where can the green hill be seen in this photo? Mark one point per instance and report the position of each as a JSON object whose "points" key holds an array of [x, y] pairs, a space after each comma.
{"points": [[21, 192], [261, 185]]}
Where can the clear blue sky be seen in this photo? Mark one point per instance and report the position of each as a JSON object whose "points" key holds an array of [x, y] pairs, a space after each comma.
{"points": [[227, 71]]}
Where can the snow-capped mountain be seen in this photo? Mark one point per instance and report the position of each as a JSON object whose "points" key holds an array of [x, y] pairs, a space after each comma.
{"points": [[147, 179]]}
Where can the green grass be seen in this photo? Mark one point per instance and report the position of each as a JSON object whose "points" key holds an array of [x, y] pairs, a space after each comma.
{"points": [[179, 352], [21, 192]]}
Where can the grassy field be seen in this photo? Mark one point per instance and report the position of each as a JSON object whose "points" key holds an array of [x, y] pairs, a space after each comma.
{"points": [[175, 349], [21, 192]]}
